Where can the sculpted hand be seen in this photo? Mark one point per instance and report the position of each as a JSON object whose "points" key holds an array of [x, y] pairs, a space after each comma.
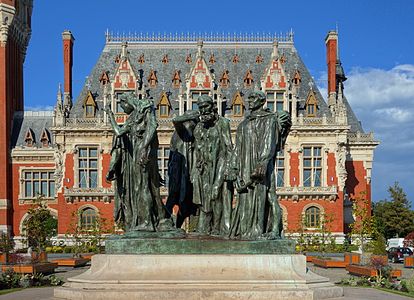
{"points": [[259, 172], [143, 159]]}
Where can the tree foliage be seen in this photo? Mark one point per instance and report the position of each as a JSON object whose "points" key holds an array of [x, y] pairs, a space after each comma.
{"points": [[40, 226], [394, 217]]}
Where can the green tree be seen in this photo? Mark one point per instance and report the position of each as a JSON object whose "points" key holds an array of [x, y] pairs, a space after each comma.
{"points": [[40, 226], [395, 217]]}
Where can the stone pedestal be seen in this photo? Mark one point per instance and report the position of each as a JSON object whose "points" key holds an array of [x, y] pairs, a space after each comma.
{"points": [[198, 268]]}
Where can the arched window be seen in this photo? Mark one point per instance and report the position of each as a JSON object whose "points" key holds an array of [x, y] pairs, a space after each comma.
{"points": [[313, 217], [88, 218]]}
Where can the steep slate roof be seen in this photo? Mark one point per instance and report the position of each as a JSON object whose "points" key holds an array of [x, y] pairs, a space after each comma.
{"points": [[177, 53], [36, 121]]}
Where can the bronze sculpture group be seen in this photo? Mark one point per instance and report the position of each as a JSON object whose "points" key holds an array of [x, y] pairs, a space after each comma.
{"points": [[230, 187]]}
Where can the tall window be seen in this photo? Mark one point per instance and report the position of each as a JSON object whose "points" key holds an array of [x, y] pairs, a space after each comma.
{"points": [[88, 218], [38, 183], [163, 154], [312, 166], [164, 111], [274, 100], [88, 167], [280, 169], [312, 217]]}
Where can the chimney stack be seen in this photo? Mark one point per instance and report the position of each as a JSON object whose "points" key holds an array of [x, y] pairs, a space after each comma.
{"points": [[68, 40], [331, 42]]}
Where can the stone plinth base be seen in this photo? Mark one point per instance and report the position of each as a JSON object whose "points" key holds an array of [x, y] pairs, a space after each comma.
{"points": [[153, 243], [202, 276]]}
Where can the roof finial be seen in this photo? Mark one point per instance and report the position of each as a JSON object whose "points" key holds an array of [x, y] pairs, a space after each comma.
{"points": [[200, 48], [275, 53], [124, 51]]}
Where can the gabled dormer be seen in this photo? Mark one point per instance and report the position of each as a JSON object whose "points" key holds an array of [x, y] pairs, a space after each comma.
{"points": [[237, 105], [45, 138], [274, 77], [311, 104], [164, 106], [200, 80], [225, 79], [125, 78], [200, 75], [176, 79], [152, 79], [104, 78], [89, 106], [29, 138]]}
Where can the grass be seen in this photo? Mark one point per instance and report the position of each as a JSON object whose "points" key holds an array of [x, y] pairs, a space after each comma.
{"points": [[7, 291]]}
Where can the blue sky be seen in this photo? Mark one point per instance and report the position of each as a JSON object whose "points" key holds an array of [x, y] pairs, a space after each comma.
{"points": [[376, 48]]}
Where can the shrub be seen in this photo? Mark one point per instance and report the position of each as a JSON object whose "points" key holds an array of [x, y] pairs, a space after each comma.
{"points": [[6, 243], [67, 249]]}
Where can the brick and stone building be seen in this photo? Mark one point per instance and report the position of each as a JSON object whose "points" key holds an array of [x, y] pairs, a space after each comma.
{"points": [[64, 155]]}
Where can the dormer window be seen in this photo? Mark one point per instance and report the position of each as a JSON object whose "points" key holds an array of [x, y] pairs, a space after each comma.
{"points": [[104, 79], [188, 59], [29, 138], [238, 105], [259, 59], [141, 59], [236, 59], [248, 78], [45, 138], [176, 80], [212, 59], [297, 78], [152, 79], [311, 104], [165, 60], [89, 106], [225, 79], [164, 106]]}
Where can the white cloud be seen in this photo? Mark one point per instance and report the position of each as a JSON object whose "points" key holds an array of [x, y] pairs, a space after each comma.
{"points": [[395, 113], [384, 101], [377, 87]]}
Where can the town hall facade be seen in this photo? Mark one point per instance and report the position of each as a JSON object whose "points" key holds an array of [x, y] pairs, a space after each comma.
{"points": [[63, 155]]}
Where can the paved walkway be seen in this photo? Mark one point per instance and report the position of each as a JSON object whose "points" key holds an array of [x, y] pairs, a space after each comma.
{"points": [[350, 293]]}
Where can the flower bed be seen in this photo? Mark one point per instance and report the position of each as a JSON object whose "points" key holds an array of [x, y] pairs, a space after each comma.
{"points": [[71, 262], [369, 271], [31, 268]]}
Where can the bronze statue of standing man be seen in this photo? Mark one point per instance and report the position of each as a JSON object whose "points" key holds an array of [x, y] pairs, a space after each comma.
{"points": [[134, 166], [212, 152], [259, 136]]}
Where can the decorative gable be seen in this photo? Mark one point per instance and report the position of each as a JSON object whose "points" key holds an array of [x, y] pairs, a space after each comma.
{"points": [[125, 78], [29, 138], [45, 138], [259, 58], [89, 105], [311, 104], [200, 76], [275, 78]]}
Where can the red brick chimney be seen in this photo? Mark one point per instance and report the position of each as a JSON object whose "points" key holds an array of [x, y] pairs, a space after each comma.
{"points": [[331, 42], [68, 40]]}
